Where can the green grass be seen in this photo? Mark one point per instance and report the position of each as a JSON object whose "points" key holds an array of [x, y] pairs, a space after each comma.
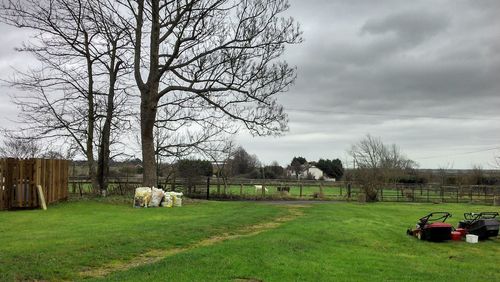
{"points": [[335, 242], [332, 241], [70, 237]]}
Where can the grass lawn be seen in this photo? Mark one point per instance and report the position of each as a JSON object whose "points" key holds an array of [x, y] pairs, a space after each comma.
{"points": [[70, 237], [332, 241]]}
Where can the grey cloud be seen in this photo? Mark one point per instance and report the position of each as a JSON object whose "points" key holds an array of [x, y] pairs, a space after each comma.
{"points": [[373, 66], [392, 68], [410, 27]]}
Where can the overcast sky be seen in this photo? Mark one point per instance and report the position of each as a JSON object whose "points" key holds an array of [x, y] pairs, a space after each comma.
{"points": [[424, 75]]}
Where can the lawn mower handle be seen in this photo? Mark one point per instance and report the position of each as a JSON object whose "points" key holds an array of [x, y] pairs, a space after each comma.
{"points": [[445, 215], [476, 216]]}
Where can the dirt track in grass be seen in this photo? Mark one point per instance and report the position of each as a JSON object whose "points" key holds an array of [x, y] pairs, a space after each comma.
{"points": [[152, 256]]}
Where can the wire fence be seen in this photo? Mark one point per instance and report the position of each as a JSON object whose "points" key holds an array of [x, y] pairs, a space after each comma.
{"points": [[258, 189]]}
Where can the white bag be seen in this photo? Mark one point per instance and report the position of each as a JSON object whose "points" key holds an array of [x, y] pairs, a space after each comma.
{"points": [[178, 201], [142, 197], [176, 198], [156, 197], [167, 201]]}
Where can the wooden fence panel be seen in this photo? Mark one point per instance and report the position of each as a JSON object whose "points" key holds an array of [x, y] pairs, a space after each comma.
{"points": [[19, 178]]}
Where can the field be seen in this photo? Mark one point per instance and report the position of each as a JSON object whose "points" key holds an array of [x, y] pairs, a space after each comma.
{"points": [[236, 241]]}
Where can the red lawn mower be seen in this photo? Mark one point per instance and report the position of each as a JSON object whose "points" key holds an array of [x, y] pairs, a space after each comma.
{"points": [[432, 227]]}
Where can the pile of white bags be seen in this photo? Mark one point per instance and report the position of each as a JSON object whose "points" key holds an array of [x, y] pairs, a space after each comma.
{"points": [[154, 197]]}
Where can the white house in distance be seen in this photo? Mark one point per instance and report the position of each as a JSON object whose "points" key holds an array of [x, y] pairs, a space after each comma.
{"points": [[312, 170], [315, 172]]}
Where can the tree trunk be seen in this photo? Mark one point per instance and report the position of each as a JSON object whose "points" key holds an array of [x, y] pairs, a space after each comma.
{"points": [[104, 150], [91, 117], [148, 117], [149, 90], [103, 158]]}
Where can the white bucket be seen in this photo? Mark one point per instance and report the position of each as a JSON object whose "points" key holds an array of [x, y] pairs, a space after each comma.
{"points": [[470, 238]]}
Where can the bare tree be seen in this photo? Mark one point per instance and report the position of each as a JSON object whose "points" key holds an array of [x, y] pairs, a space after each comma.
{"points": [[112, 59], [496, 160], [74, 93], [298, 166], [443, 171], [243, 163], [377, 163], [477, 175], [220, 153], [20, 146], [221, 56]]}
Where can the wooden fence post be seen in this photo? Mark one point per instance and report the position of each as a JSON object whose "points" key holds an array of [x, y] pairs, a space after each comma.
{"points": [[208, 188], [484, 195], [382, 194], [241, 189], [495, 199], [300, 190], [321, 189]]}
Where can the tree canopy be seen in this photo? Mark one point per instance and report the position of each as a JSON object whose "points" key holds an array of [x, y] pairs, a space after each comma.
{"points": [[194, 168], [377, 162], [331, 168], [298, 165]]}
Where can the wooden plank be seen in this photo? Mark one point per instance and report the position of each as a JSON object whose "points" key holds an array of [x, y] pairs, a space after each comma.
{"points": [[8, 183], [53, 174], [65, 179], [33, 181], [41, 197], [3, 189], [57, 175], [37, 176], [59, 171], [44, 180], [16, 197], [28, 197], [48, 175]]}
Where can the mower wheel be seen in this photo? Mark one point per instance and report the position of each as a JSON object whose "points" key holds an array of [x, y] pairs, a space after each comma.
{"points": [[420, 236]]}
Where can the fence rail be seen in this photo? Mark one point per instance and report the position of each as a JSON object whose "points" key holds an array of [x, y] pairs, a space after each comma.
{"points": [[236, 189], [20, 177]]}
